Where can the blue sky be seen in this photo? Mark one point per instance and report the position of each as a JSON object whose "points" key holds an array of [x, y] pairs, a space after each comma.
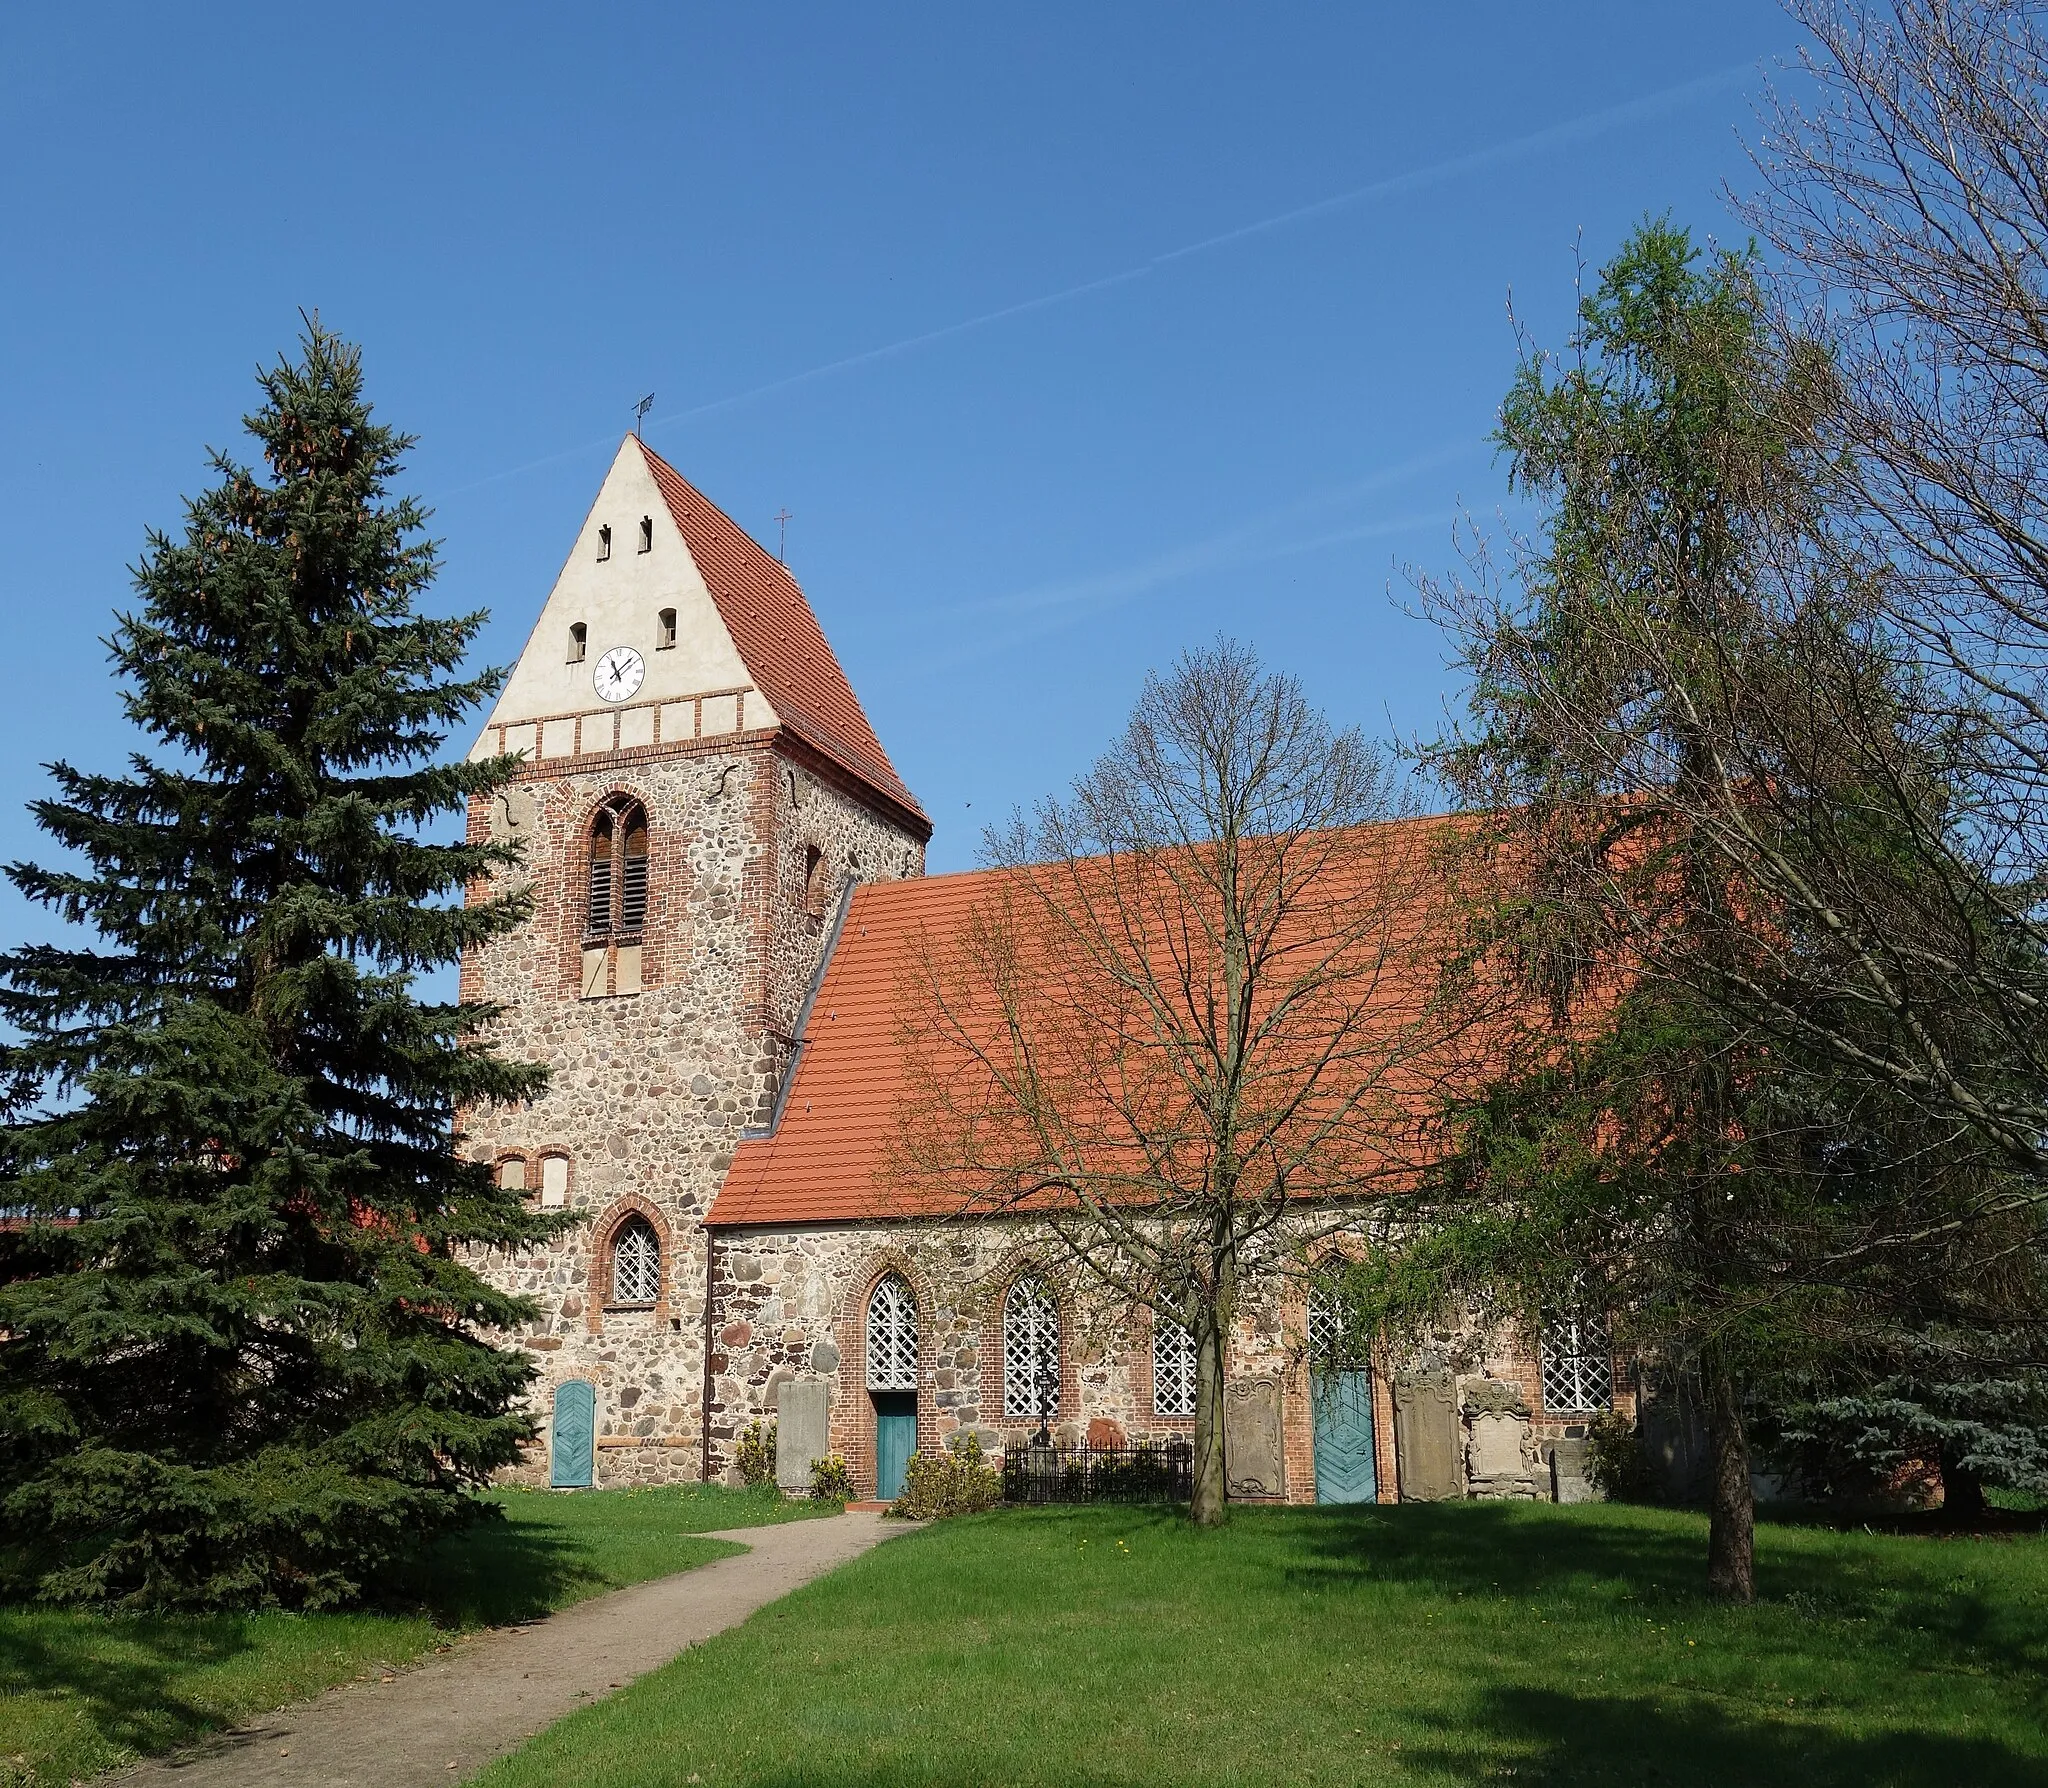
{"points": [[1068, 335]]}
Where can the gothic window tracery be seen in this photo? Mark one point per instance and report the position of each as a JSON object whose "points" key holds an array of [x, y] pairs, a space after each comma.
{"points": [[636, 1262], [1578, 1362], [1031, 1350], [892, 1336], [1173, 1367]]}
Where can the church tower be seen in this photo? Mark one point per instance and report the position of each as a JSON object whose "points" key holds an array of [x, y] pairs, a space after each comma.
{"points": [[700, 790]]}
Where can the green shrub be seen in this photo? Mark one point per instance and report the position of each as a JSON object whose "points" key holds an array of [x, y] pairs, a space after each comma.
{"points": [[756, 1457], [830, 1480], [1614, 1458], [955, 1482]]}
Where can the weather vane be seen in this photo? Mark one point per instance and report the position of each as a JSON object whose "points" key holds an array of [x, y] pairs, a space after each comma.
{"points": [[640, 412]]}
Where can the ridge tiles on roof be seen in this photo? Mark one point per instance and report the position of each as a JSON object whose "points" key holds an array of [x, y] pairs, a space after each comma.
{"points": [[778, 637]]}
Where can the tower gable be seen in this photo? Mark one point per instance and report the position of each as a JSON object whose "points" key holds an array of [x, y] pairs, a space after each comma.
{"points": [[729, 642], [618, 590]]}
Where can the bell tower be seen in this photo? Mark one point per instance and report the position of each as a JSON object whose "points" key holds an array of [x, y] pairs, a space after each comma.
{"points": [[699, 786]]}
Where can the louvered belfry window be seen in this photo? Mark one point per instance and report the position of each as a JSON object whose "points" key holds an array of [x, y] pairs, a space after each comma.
{"points": [[892, 1337], [618, 870], [1578, 1363], [1173, 1368], [1031, 1350], [636, 1263]]}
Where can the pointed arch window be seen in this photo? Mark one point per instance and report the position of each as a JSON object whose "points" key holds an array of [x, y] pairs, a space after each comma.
{"points": [[892, 1336], [616, 896], [636, 1263], [1031, 1350]]}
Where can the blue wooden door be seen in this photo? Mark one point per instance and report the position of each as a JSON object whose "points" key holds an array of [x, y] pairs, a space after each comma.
{"points": [[1343, 1417], [573, 1444], [895, 1440]]}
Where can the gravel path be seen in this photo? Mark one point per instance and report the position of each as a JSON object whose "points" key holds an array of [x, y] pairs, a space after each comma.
{"points": [[442, 1720]]}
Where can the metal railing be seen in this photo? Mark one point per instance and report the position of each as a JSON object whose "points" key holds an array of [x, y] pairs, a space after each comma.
{"points": [[1158, 1471]]}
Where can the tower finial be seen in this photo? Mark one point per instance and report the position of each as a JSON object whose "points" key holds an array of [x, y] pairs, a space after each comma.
{"points": [[640, 413]]}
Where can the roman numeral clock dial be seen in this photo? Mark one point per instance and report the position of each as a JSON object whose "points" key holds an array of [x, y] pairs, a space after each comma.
{"points": [[620, 673]]}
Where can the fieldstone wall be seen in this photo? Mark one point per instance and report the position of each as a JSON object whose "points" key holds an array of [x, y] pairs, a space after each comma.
{"points": [[651, 1088]]}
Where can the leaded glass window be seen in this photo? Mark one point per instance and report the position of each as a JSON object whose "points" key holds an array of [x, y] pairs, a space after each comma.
{"points": [[892, 1337], [1173, 1368], [1578, 1363], [1031, 1350], [636, 1263]]}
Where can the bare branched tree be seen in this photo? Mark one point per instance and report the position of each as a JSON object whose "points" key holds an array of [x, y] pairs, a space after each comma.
{"points": [[1191, 1025], [1910, 205]]}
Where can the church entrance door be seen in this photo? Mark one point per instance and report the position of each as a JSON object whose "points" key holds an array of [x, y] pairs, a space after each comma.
{"points": [[572, 1448], [1344, 1451], [895, 1440]]}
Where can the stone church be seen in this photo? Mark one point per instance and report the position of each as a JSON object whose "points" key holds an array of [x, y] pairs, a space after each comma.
{"points": [[725, 867]]}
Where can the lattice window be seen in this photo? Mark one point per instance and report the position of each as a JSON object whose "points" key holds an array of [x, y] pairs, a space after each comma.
{"points": [[1578, 1363], [1031, 1351], [1326, 1338], [1173, 1368], [892, 1337], [636, 1263]]}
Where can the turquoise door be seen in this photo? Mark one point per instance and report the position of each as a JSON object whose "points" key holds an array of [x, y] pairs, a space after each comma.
{"points": [[895, 1440], [1343, 1415], [572, 1445]]}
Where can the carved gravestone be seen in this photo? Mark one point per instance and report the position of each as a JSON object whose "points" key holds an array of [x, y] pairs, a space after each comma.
{"points": [[1500, 1459], [1426, 1435], [1252, 1453], [803, 1427]]}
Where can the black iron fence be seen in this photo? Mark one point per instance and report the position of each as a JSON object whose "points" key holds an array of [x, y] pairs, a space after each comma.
{"points": [[1161, 1471]]}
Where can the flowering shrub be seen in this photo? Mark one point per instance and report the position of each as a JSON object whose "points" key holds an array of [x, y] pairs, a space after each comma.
{"points": [[830, 1480], [956, 1482], [756, 1457]]}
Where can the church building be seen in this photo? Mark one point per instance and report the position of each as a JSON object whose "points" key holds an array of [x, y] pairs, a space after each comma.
{"points": [[726, 868]]}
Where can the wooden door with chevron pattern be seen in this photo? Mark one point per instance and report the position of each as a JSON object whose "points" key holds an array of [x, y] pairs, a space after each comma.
{"points": [[1343, 1433]]}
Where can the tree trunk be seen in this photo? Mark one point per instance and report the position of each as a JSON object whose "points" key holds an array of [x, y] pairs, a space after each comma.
{"points": [[1205, 1509], [1962, 1490], [1731, 1524]]}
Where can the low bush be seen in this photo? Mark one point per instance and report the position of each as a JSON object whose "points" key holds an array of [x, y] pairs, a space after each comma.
{"points": [[756, 1457], [1614, 1458], [958, 1481], [830, 1480]]}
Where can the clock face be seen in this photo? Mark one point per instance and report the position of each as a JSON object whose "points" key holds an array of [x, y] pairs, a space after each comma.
{"points": [[620, 673]]}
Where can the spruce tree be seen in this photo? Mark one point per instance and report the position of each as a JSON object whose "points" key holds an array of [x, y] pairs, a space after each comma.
{"points": [[246, 1356]]}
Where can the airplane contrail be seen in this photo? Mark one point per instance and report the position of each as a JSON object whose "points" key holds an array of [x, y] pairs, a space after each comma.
{"points": [[1571, 130]]}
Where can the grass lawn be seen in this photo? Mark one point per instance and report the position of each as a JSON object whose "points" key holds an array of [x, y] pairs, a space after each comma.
{"points": [[1378, 1645], [81, 1693]]}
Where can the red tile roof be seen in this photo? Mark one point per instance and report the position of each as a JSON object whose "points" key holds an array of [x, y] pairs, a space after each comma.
{"points": [[825, 1160], [821, 1162], [779, 640]]}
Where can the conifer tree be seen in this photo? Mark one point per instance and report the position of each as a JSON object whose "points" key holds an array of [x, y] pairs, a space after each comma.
{"points": [[245, 1358]]}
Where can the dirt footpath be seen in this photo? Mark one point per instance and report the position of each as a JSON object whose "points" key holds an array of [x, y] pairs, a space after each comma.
{"points": [[443, 1719]]}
